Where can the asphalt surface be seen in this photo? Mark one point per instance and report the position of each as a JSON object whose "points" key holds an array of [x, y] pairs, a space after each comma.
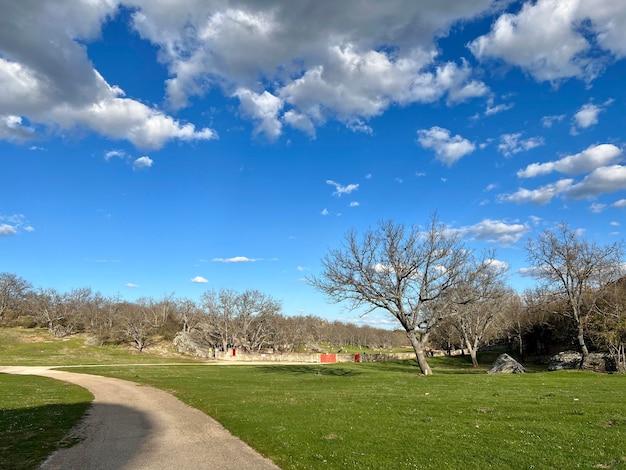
{"points": [[130, 426]]}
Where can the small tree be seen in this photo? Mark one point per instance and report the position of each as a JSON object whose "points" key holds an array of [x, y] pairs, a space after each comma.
{"points": [[574, 270], [399, 270]]}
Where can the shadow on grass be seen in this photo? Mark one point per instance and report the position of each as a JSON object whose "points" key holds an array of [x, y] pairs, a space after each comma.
{"points": [[29, 435], [327, 370]]}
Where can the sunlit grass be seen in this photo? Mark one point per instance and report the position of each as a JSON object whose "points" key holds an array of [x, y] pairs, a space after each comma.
{"points": [[24, 347], [388, 416]]}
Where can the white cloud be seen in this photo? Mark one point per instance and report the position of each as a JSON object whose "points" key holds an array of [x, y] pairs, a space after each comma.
{"points": [[448, 149], [340, 189], [301, 268], [542, 195], [587, 116], [574, 51], [199, 280], [263, 108], [548, 121], [597, 207], [619, 204], [354, 204], [7, 230], [511, 144], [589, 159], [346, 60], [614, 224], [132, 286], [325, 212], [12, 129], [607, 179], [12, 224], [498, 231], [237, 259], [142, 162], [114, 154]]}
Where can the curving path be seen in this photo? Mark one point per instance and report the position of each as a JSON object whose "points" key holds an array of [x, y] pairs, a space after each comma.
{"points": [[130, 426]]}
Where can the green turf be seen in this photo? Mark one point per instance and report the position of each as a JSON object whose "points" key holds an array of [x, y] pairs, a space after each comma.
{"points": [[349, 416], [25, 347], [35, 415], [356, 416]]}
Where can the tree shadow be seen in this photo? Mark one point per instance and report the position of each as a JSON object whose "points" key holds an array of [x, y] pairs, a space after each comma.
{"points": [[326, 370], [78, 435]]}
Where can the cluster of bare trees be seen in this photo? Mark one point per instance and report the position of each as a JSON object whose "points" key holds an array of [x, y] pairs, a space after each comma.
{"points": [[441, 293], [249, 321]]}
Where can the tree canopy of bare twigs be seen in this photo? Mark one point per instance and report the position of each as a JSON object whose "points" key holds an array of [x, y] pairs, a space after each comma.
{"points": [[574, 270], [404, 271]]}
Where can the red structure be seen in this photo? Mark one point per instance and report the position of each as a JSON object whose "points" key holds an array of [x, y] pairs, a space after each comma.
{"points": [[328, 358]]}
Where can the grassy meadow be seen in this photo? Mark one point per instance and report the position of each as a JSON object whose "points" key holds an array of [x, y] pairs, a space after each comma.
{"points": [[35, 415], [375, 416]]}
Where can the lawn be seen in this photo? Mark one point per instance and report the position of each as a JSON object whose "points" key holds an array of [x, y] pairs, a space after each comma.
{"points": [[349, 416], [36, 347], [35, 415], [356, 416]]}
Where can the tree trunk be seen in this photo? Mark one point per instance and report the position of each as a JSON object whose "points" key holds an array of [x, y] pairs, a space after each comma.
{"points": [[473, 354], [583, 346], [418, 347]]}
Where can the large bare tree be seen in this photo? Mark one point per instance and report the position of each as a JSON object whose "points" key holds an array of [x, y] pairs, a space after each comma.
{"points": [[404, 271], [574, 270]]}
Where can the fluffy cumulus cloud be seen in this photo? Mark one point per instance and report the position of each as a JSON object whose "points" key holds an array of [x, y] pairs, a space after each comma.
{"points": [[448, 148], [497, 231], [581, 35], [346, 60], [142, 163], [598, 164], [588, 160], [199, 280], [587, 116], [47, 79], [540, 196]]}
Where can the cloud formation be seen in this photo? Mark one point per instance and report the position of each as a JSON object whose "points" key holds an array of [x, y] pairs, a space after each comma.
{"points": [[510, 144], [199, 280], [237, 259], [520, 38], [340, 189], [589, 159], [448, 149]]}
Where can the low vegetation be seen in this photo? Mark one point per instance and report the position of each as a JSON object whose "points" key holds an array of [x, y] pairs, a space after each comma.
{"points": [[35, 415]]}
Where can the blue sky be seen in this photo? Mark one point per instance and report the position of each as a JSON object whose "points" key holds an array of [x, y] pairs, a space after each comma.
{"points": [[155, 147]]}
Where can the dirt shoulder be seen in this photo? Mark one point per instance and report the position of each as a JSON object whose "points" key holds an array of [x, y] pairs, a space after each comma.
{"points": [[130, 426]]}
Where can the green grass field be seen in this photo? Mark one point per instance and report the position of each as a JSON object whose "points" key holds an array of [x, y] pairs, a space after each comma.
{"points": [[35, 415], [379, 416]]}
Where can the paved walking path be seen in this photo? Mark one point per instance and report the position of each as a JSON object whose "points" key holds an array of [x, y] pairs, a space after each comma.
{"points": [[131, 426]]}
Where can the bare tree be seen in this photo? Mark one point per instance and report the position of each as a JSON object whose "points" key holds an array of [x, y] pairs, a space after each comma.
{"points": [[609, 322], [477, 301], [575, 270], [13, 290], [403, 271]]}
